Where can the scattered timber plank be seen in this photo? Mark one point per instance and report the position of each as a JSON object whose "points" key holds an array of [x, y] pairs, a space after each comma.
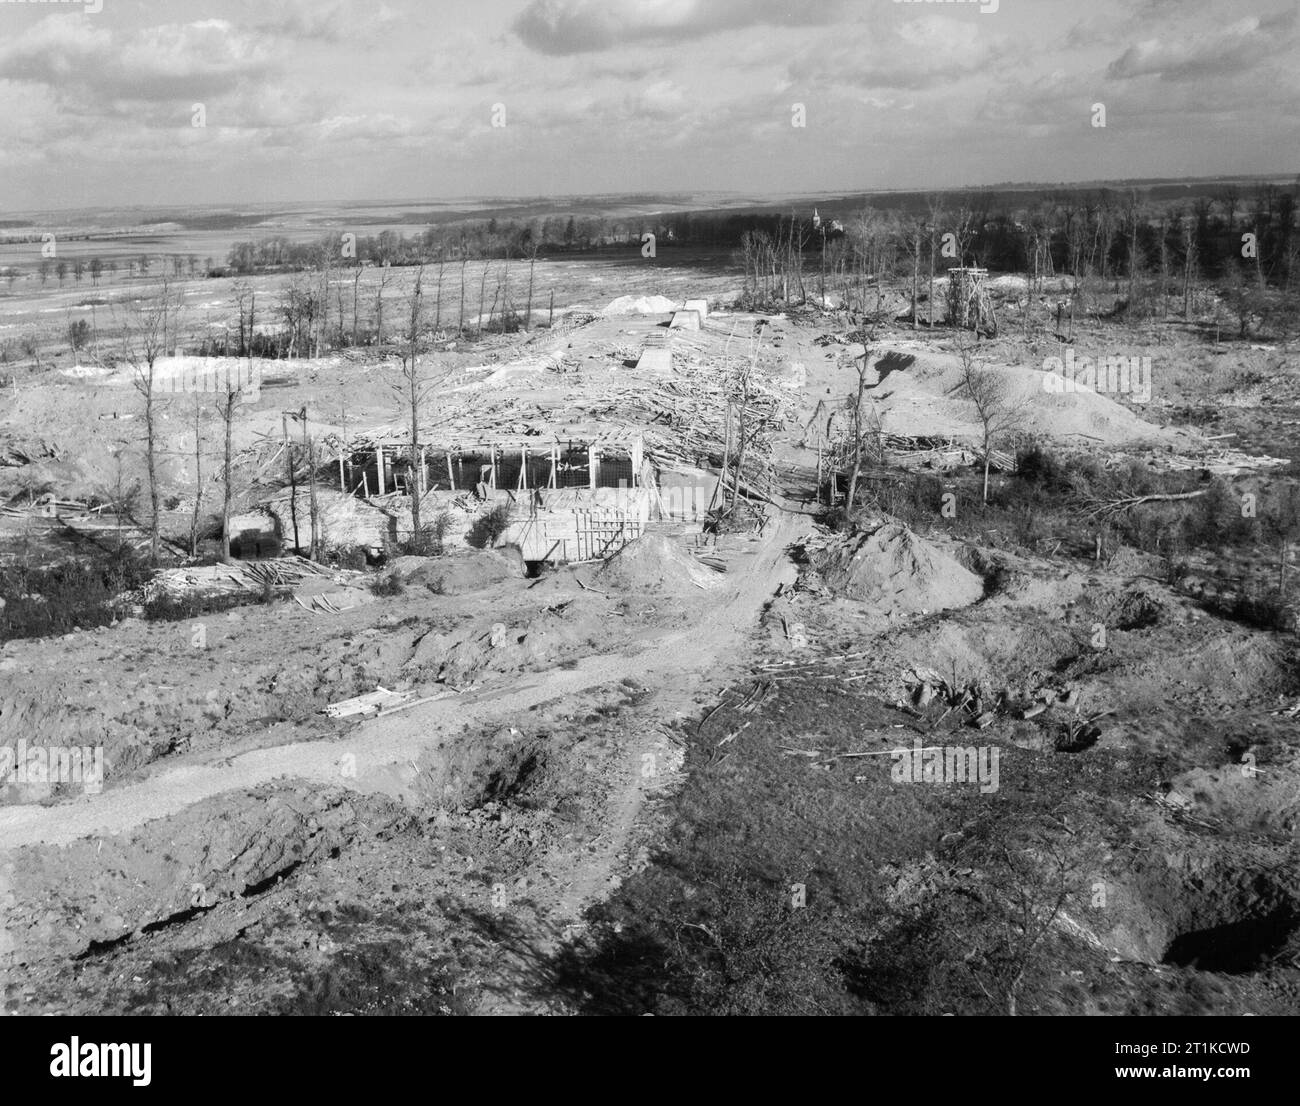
{"points": [[370, 703]]}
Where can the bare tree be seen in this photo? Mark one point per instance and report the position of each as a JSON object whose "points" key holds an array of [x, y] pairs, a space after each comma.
{"points": [[245, 304], [317, 534], [533, 247], [1282, 520], [482, 291], [1025, 892], [437, 306], [413, 390], [994, 398], [301, 307], [1190, 252], [198, 477], [1228, 195], [966, 222], [858, 424], [934, 206], [385, 276], [322, 315], [356, 290], [915, 234], [464, 260], [1132, 218], [505, 293], [226, 409], [144, 339]]}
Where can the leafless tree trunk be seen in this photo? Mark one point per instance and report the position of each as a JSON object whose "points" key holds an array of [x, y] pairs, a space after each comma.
{"points": [[144, 341], [384, 278], [505, 295], [857, 435], [935, 228], [226, 408], [413, 390], [496, 296], [916, 233], [437, 311], [314, 505], [460, 320], [242, 292], [996, 405], [356, 291], [532, 262], [1189, 265], [1132, 251], [198, 477]]}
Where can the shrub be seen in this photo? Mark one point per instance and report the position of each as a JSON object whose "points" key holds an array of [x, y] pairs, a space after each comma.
{"points": [[1270, 610], [737, 948], [386, 585], [74, 594], [169, 608], [489, 526], [78, 334], [353, 557], [428, 541]]}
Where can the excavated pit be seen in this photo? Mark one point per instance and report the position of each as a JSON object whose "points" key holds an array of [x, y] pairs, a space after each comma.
{"points": [[1244, 945], [1207, 912]]}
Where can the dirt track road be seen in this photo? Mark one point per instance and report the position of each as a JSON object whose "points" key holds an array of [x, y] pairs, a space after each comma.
{"points": [[676, 664]]}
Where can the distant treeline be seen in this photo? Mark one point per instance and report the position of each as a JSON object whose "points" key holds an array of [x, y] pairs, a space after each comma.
{"points": [[505, 238], [1100, 233]]}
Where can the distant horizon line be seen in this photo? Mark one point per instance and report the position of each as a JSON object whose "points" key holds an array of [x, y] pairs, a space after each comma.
{"points": [[667, 195]]}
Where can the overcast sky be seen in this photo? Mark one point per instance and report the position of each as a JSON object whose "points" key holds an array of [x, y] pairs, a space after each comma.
{"points": [[338, 100]]}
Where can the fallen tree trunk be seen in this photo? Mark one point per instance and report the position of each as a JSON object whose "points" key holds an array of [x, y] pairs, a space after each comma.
{"points": [[1115, 506]]}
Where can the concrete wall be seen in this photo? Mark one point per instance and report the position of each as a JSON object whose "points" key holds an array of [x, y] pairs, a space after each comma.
{"points": [[579, 525]]}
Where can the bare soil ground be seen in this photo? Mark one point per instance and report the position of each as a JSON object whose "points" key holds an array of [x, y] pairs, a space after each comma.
{"points": [[650, 798]]}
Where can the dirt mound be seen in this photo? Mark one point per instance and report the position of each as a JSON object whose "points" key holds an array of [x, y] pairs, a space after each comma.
{"points": [[640, 305], [893, 569], [459, 573], [219, 850], [322, 593], [654, 562], [926, 400]]}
